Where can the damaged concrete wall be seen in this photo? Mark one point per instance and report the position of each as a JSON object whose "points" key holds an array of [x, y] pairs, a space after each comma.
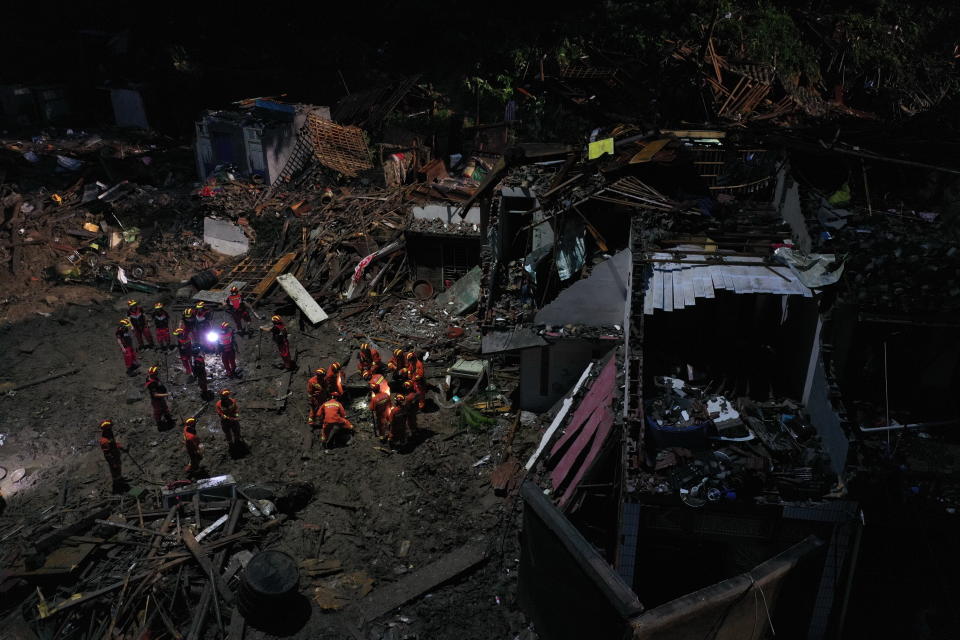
{"points": [[566, 587], [730, 610], [547, 373], [596, 301]]}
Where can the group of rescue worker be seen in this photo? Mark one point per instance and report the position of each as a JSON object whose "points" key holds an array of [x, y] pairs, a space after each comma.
{"points": [[393, 403], [397, 389]]}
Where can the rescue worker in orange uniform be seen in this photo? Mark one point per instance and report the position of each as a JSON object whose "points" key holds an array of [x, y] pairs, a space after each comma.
{"points": [[377, 380], [415, 374], [281, 339], [396, 363], [368, 360], [237, 308], [229, 412], [199, 367], [333, 381], [184, 349], [158, 398], [333, 415], [379, 403], [139, 321], [228, 349], [189, 324], [316, 395], [111, 451], [161, 322], [411, 405], [202, 314], [125, 340], [317, 378], [395, 420], [191, 441]]}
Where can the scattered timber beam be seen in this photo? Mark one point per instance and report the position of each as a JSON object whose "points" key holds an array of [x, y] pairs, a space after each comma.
{"points": [[302, 298], [264, 285], [52, 376], [388, 598], [130, 527]]}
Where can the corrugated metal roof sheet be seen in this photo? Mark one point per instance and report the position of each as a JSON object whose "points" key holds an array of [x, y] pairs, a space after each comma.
{"points": [[673, 285]]}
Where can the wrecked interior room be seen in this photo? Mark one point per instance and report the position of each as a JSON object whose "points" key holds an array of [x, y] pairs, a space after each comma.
{"points": [[529, 321]]}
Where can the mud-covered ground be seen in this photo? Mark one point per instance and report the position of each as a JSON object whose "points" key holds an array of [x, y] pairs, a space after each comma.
{"points": [[395, 512]]}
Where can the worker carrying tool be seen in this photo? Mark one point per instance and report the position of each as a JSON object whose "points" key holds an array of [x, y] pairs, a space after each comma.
{"points": [[111, 452], [414, 365], [184, 349], [281, 339], [333, 417], [228, 349], [229, 412], [199, 367], [396, 363], [189, 324], [158, 398], [368, 360], [161, 322], [139, 321], [125, 340], [379, 403], [377, 380], [191, 441], [237, 308], [316, 395], [333, 381]]}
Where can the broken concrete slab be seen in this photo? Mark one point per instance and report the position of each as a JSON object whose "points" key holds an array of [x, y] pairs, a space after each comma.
{"points": [[225, 237], [302, 298], [463, 295], [28, 346]]}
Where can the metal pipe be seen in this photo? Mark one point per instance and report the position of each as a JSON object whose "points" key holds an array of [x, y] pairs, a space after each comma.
{"points": [[915, 425]]}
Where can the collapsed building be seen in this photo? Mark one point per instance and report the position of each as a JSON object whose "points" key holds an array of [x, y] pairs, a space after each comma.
{"points": [[678, 323]]}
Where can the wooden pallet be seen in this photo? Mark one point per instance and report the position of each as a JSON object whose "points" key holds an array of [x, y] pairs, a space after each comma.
{"points": [[261, 272]]}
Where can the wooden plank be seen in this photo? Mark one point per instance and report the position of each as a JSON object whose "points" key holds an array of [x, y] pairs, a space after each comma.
{"points": [[388, 598], [302, 298], [52, 376], [667, 287], [198, 554]]}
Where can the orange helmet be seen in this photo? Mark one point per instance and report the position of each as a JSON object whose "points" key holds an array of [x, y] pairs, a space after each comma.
{"points": [[131, 303], [373, 386], [398, 352], [106, 424], [158, 305], [316, 387], [411, 355], [335, 366], [408, 385], [178, 331], [224, 325], [321, 371], [225, 393], [188, 312], [190, 422], [126, 322], [234, 289], [365, 346], [199, 305], [154, 370], [276, 319], [404, 372], [367, 375], [398, 398]]}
